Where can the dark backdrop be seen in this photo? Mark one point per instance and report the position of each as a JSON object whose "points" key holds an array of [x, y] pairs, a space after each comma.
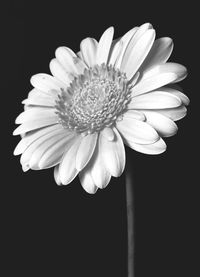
{"points": [[63, 231]]}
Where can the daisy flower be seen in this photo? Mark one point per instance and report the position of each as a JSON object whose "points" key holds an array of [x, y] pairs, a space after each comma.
{"points": [[111, 93]]}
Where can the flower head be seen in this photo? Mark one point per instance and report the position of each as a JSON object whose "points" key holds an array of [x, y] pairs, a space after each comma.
{"points": [[111, 93]]}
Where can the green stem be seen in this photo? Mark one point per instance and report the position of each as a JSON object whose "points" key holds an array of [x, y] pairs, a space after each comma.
{"points": [[130, 221]]}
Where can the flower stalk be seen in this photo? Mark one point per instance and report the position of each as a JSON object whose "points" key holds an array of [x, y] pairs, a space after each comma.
{"points": [[130, 220]]}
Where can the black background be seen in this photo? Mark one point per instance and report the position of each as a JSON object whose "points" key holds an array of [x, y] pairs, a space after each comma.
{"points": [[63, 231]]}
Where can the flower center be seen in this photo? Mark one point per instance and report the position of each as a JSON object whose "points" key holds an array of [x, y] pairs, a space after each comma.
{"points": [[94, 100]]}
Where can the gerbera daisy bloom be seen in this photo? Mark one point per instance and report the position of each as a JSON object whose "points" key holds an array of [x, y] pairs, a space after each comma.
{"points": [[111, 93]]}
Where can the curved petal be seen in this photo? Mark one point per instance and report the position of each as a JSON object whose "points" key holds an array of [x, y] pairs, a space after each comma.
{"points": [[155, 100], [116, 53], [87, 182], [32, 136], [162, 124], [69, 60], [137, 131], [88, 48], [104, 45], [33, 114], [27, 154], [159, 76], [46, 83], [97, 170], [137, 54], [40, 99], [174, 113], [67, 168], [108, 133], [185, 100], [43, 147], [159, 53], [35, 124], [56, 175], [85, 150], [59, 72], [135, 115], [125, 41], [54, 154], [113, 154], [151, 149]]}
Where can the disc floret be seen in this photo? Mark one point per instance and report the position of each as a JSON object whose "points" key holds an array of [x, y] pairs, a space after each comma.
{"points": [[94, 100]]}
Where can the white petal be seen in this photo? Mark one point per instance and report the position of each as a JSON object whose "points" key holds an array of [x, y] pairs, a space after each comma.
{"points": [[32, 136], [125, 41], [116, 51], [137, 55], [104, 45], [89, 49], [26, 156], [96, 169], [67, 168], [113, 154], [43, 147], [40, 99], [137, 131], [159, 53], [85, 150], [152, 149], [35, 124], [99, 173], [185, 100], [159, 76], [163, 125], [155, 100], [108, 133], [46, 83], [135, 115], [54, 154], [69, 60], [33, 114], [59, 72], [174, 113], [56, 175], [130, 39], [87, 182]]}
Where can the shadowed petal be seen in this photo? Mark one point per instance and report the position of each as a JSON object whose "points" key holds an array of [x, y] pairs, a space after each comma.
{"points": [[87, 182], [151, 149], [59, 72], [124, 42], [46, 83], [174, 113], [155, 100], [89, 49], [163, 125], [138, 54], [34, 114], [185, 100], [137, 131], [67, 169], [69, 60], [159, 76], [27, 154], [32, 136], [159, 53], [104, 45], [35, 124], [85, 150], [43, 147], [54, 154], [113, 154]]}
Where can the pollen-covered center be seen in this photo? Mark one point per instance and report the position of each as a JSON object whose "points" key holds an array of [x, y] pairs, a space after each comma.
{"points": [[94, 99]]}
